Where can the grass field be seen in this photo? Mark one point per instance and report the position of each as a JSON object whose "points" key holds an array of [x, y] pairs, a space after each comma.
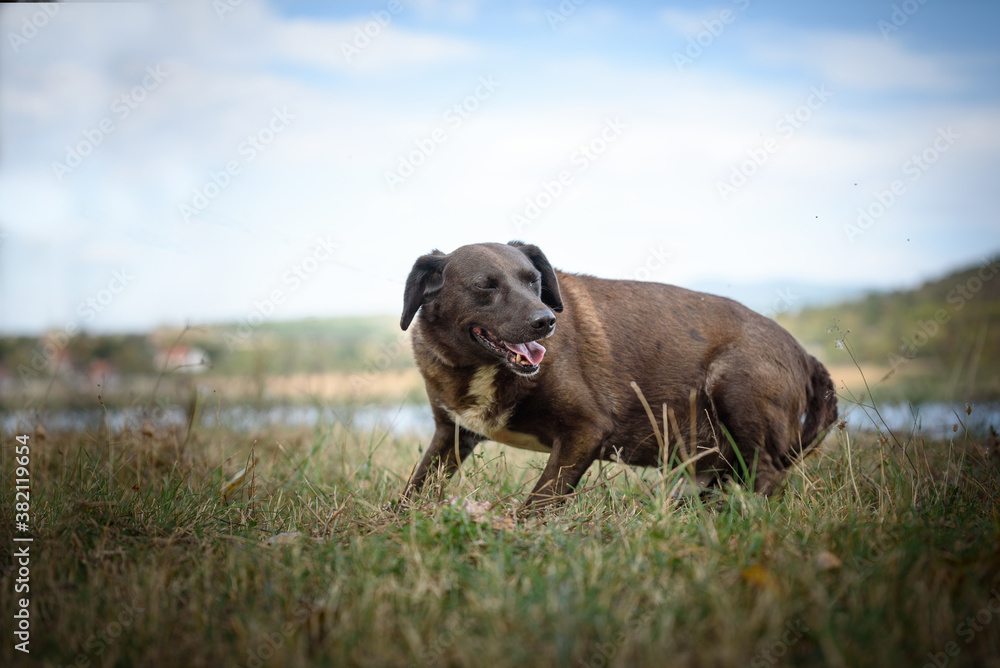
{"points": [[876, 553]]}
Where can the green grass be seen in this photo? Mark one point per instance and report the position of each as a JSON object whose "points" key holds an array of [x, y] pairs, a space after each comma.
{"points": [[138, 558]]}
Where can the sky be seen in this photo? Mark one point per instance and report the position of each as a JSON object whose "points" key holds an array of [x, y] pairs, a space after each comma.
{"points": [[243, 160]]}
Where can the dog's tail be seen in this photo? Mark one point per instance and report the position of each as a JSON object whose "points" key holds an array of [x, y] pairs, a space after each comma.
{"points": [[822, 405]]}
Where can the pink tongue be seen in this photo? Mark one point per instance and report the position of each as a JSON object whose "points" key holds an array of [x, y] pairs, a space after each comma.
{"points": [[531, 350]]}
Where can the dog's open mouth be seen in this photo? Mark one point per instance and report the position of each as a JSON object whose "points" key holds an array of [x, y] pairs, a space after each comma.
{"points": [[521, 358]]}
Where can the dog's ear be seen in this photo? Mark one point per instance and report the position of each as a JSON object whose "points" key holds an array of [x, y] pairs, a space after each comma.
{"points": [[425, 279], [550, 284]]}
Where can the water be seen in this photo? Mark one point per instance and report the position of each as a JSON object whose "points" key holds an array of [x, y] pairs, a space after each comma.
{"points": [[401, 420], [931, 419]]}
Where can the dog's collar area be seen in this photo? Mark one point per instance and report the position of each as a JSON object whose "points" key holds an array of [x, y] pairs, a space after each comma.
{"points": [[523, 359]]}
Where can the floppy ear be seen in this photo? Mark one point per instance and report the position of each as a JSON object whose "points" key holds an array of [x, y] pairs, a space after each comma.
{"points": [[425, 279], [550, 284]]}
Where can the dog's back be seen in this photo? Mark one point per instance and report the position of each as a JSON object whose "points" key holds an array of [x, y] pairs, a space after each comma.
{"points": [[747, 372]]}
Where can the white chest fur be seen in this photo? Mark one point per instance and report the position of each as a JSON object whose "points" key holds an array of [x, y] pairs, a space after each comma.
{"points": [[485, 417], [482, 415]]}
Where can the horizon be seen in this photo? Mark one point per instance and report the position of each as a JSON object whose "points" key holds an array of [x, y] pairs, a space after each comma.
{"points": [[773, 298], [179, 162]]}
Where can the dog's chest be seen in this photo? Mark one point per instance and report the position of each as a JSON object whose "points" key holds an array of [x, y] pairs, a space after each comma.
{"points": [[482, 410], [479, 409]]}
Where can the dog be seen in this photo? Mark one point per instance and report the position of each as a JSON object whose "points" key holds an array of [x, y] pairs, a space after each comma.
{"points": [[516, 352]]}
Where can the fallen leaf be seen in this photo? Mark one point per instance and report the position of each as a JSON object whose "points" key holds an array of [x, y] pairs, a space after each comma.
{"points": [[759, 576], [236, 480], [827, 561], [285, 538], [477, 510], [504, 524]]}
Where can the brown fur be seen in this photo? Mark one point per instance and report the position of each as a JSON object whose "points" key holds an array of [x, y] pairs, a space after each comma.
{"points": [[745, 371]]}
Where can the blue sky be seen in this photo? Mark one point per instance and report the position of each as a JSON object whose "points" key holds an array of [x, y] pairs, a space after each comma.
{"points": [[175, 162]]}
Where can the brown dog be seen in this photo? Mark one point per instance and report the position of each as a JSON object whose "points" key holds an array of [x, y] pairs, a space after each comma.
{"points": [[485, 308]]}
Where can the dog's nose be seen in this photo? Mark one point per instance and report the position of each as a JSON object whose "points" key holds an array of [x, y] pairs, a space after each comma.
{"points": [[542, 321]]}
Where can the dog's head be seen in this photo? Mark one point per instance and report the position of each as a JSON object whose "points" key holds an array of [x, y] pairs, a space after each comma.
{"points": [[485, 303]]}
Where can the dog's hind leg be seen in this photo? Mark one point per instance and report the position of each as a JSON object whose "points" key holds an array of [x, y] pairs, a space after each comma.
{"points": [[751, 419]]}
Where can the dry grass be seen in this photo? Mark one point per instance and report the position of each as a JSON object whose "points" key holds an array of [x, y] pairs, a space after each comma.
{"points": [[385, 386], [874, 554]]}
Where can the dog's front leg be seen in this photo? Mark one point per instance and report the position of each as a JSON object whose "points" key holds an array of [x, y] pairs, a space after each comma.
{"points": [[443, 454], [570, 459]]}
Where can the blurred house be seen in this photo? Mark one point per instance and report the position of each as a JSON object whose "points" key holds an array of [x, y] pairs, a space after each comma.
{"points": [[101, 372], [186, 359]]}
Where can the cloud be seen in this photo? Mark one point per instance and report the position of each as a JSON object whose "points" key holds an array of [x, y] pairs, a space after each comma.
{"points": [[462, 11], [687, 23], [364, 45], [859, 61], [654, 186]]}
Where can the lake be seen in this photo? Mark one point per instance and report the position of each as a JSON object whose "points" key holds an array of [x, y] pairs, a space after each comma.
{"points": [[931, 419]]}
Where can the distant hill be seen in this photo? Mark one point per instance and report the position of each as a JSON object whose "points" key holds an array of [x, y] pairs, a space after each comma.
{"points": [[232, 349], [313, 345], [940, 341], [773, 297]]}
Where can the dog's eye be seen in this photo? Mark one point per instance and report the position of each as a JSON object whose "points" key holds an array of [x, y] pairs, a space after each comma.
{"points": [[486, 285]]}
